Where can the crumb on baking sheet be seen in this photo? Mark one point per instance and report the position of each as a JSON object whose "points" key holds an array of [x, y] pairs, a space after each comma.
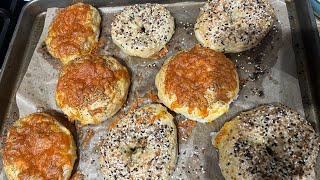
{"points": [[140, 78], [40, 109], [185, 128], [153, 97], [79, 125], [160, 54], [137, 102], [77, 176], [87, 138], [15, 116], [44, 51]]}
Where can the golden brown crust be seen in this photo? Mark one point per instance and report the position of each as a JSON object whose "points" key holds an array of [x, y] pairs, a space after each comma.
{"points": [[38, 147], [198, 83], [74, 32], [92, 83], [86, 76], [190, 74]]}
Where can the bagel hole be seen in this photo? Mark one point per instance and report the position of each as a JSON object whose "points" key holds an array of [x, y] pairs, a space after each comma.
{"points": [[270, 151], [133, 149], [143, 29]]}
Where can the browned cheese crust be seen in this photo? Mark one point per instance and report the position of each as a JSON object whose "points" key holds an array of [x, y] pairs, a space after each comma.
{"points": [[92, 88], [198, 83], [38, 147], [74, 32]]}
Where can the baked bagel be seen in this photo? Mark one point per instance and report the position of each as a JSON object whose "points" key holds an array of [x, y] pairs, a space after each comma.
{"points": [[268, 142], [92, 88], [143, 29], [38, 147], [142, 145], [74, 32], [198, 83], [233, 25]]}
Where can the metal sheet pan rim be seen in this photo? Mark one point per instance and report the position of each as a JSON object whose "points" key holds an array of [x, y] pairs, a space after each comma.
{"points": [[25, 10]]}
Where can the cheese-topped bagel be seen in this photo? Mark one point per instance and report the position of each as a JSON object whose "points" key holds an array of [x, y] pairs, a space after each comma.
{"points": [[74, 32], [38, 147], [198, 83], [93, 88]]}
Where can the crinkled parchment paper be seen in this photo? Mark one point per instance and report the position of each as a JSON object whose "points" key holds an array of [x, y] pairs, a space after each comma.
{"points": [[267, 74]]}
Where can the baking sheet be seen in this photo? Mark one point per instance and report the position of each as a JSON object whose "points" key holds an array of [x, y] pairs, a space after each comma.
{"points": [[267, 72]]}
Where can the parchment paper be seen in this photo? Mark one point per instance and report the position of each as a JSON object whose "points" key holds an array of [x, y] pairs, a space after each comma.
{"points": [[267, 73]]}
